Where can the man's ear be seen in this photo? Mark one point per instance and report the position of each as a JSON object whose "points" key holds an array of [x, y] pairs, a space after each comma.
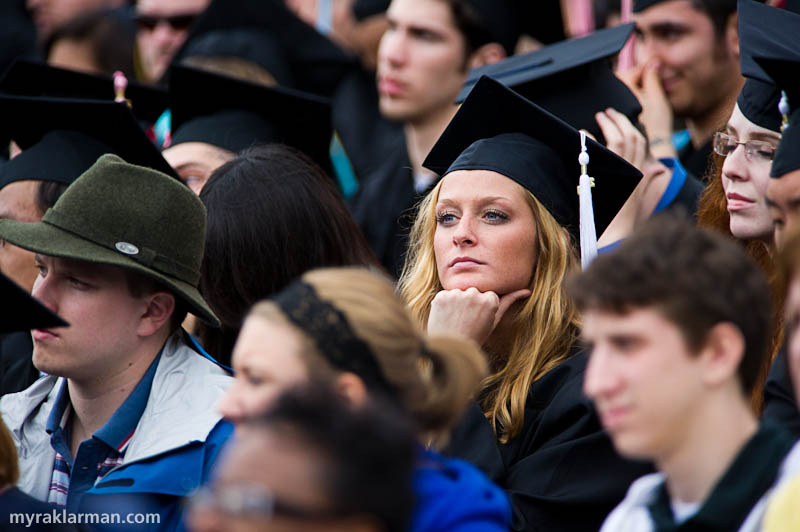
{"points": [[352, 388], [722, 354], [160, 306], [732, 34], [486, 55]]}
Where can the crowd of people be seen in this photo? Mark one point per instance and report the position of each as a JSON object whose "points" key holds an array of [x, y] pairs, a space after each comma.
{"points": [[400, 265]]}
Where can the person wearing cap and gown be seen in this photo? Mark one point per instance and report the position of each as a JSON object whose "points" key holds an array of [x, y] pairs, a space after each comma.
{"points": [[20, 312], [575, 81], [65, 142], [499, 227], [210, 126], [125, 417], [688, 68], [423, 59]]}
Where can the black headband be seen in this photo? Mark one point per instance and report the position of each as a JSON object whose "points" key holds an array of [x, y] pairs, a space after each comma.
{"points": [[332, 334]]}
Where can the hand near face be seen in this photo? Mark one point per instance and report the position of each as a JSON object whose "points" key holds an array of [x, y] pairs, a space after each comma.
{"points": [[622, 137], [656, 111], [470, 313]]}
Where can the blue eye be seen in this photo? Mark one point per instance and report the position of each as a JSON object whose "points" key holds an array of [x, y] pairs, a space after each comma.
{"points": [[445, 218], [495, 216]]}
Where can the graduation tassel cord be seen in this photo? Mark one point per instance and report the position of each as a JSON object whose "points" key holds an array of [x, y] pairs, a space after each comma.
{"points": [[120, 85], [783, 108], [587, 229]]}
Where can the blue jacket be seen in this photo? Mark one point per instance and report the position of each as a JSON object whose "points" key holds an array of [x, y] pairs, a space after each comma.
{"points": [[176, 442], [455, 496]]}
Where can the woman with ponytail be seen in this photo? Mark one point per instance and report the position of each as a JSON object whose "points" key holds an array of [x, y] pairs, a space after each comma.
{"points": [[347, 327]]}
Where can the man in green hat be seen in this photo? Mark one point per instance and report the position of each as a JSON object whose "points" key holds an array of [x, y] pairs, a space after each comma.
{"points": [[126, 416]]}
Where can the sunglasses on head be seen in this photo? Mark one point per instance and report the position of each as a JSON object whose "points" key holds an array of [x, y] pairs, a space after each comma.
{"points": [[176, 22]]}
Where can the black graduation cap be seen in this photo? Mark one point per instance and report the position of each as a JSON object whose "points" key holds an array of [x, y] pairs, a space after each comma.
{"points": [[767, 32], [235, 114], [62, 137], [572, 79], [641, 5], [784, 72], [497, 129], [367, 8], [21, 312], [315, 64], [34, 78]]}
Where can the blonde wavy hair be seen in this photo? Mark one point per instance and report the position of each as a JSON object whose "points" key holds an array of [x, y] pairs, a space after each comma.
{"points": [[545, 329], [434, 377]]}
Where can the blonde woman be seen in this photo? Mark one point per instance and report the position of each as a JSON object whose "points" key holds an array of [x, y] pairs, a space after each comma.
{"points": [[490, 249], [347, 328]]}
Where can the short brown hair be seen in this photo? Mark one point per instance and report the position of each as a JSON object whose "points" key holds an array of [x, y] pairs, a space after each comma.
{"points": [[694, 277]]}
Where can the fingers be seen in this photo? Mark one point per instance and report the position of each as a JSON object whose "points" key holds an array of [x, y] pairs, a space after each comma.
{"points": [[651, 84], [635, 141], [612, 133], [632, 78], [507, 300]]}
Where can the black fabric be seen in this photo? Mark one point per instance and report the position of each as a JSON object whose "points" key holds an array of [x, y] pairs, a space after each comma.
{"points": [[696, 160], [19, 311], [751, 474], [758, 102], [332, 334], [780, 403], [16, 368], [766, 31], [368, 138], [15, 501], [572, 79], [688, 197], [641, 5], [491, 111], [384, 209], [562, 472]]}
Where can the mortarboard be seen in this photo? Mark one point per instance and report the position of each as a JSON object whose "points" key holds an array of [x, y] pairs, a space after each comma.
{"points": [[235, 114], [69, 135], [764, 31], [784, 72], [315, 64], [497, 129], [641, 5], [572, 79], [21, 312], [34, 78]]}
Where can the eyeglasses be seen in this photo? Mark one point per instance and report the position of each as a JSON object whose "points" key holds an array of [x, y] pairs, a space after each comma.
{"points": [[756, 151], [252, 500], [176, 22]]}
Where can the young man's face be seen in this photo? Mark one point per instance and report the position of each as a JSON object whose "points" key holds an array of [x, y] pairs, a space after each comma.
{"points": [[696, 67], [783, 201], [643, 379], [421, 60], [103, 316], [17, 203]]}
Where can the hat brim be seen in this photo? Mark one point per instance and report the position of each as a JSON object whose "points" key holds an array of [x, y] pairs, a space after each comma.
{"points": [[52, 241]]}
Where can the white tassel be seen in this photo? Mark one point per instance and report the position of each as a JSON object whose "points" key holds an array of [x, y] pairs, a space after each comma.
{"points": [[783, 107], [587, 229]]}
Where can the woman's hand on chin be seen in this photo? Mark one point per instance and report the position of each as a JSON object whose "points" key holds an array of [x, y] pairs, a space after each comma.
{"points": [[470, 313]]}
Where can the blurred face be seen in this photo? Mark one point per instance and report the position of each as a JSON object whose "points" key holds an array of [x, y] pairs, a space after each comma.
{"points": [[267, 466], [266, 361], [17, 203], [163, 27], [49, 15], [73, 54], [485, 233], [643, 380], [783, 199], [421, 61], [697, 69], [792, 315], [745, 180], [103, 316], [195, 162]]}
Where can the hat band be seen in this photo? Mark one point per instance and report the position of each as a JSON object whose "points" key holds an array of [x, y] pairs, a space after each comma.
{"points": [[144, 256]]}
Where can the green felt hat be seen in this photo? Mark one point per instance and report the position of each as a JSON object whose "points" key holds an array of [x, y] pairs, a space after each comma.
{"points": [[128, 216]]}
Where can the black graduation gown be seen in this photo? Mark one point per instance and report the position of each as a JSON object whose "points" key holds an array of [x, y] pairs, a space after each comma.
{"points": [[688, 197], [562, 472], [16, 368], [696, 161], [780, 404], [384, 209]]}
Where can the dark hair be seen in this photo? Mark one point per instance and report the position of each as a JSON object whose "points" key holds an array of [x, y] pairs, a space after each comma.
{"points": [[694, 277], [48, 193], [111, 39], [368, 452], [272, 214], [475, 24], [719, 11]]}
